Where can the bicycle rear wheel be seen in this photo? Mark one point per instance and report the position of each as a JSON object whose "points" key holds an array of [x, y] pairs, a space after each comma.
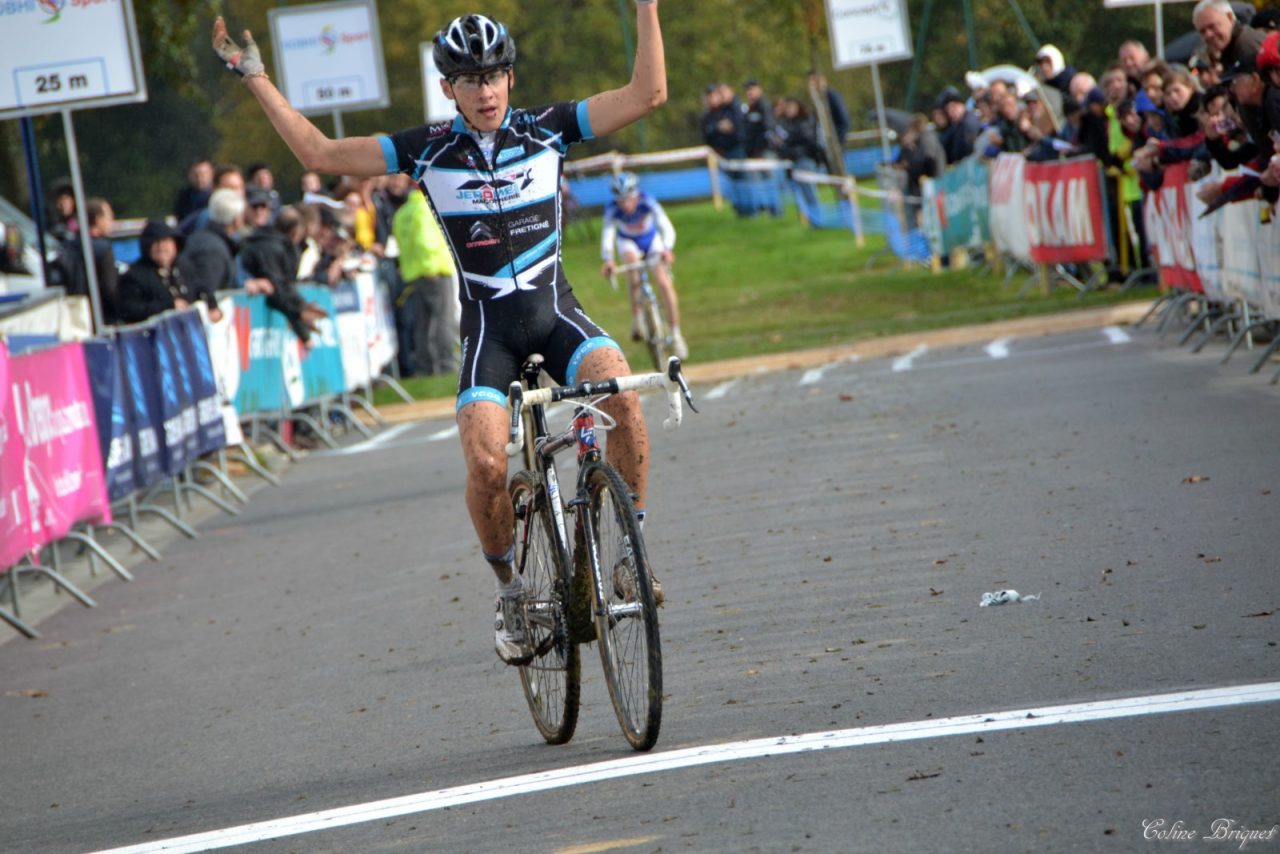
{"points": [[625, 613], [552, 680]]}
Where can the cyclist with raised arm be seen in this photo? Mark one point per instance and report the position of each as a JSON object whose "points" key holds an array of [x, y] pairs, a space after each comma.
{"points": [[492, 176], [640, 230]]}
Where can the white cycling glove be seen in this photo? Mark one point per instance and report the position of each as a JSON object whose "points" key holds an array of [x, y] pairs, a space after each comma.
{"points": [[246, 62]]}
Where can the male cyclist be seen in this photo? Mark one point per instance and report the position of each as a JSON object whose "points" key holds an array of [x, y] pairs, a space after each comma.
{"points": [[638, 225], [492, 176]]}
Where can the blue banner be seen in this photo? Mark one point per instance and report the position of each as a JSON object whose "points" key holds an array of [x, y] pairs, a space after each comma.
{"points": [[322, 374], [213, 435], [263, 336], [166, 400], [170, 332], [104, 359], [142, 414]]}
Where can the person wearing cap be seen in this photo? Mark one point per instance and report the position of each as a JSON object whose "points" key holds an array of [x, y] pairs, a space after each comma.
{"points": [[258, 207], [1258, 106], [962, 128], [154, 283], [492, 177], [1052, 69], [1224, 35]]}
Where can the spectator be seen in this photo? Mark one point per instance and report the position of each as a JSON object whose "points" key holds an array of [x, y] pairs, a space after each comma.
{"points": [[102, 221], [1052, 69], [228, 177], [427, 269], [798, 142], [722, 130], [1207, 72], [1182, 105], [835, 106], [270, 252], [758, 131], [154, 284], [1155, 74], [1080, 87], [259, 176], [920, 155], [64, 223], [194, 195], [1227, 39], [1133, 57], [1012, 129], [335, 243], [207, 262], [962, 128], [258, 206]]}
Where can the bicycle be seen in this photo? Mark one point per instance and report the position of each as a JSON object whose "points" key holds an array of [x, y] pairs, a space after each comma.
{"points": [[600, 589], [654, 329]]}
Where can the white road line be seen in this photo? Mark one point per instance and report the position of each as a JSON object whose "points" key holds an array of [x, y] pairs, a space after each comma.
{"points": [[903, 363], [998, 349], [650, 763], [813, 376], [368, 444], [447, 433], [1116, 335], [720, 391]]}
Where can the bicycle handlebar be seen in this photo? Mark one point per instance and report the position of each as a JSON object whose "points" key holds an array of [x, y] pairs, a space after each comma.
{"points": [[673, 381]]}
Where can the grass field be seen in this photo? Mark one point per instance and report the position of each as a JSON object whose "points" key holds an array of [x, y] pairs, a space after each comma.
{"points": [[766, 285]]}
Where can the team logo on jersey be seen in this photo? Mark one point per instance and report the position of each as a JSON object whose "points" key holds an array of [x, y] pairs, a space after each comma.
{"points": [[481, 235], [487, 191]]}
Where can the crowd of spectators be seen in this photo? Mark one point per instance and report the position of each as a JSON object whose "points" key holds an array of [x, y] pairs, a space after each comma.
{"points": [[229, 229], [1139, 115], [787, 129]]}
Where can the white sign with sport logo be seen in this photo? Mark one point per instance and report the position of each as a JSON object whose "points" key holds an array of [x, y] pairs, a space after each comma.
{"points": [[329, 56], [68, 55], [867, 31]]}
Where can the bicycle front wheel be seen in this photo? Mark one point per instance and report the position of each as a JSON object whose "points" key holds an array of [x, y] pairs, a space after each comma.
{"points": [[655, 334], [552, 679], [625, 614]]}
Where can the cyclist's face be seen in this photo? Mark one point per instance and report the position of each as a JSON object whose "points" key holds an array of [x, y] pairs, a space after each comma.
{"points": [[481, 98], [628, 202]]}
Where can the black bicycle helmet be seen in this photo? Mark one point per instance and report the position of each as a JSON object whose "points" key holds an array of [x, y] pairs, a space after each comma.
{"points": [[472, 44]]}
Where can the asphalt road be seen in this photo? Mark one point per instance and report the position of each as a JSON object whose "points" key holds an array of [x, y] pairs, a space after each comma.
{"points": [[824, 537]]}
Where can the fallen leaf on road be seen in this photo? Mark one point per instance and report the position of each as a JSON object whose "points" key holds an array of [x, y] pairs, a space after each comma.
{"points": [[1195, 478], [921, 775], [28, 692], [1261, 614]]}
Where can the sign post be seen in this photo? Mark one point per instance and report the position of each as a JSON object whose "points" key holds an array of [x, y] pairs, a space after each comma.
{"points": [[437, 108], [61, 56], [869, 32], [329, 57]]}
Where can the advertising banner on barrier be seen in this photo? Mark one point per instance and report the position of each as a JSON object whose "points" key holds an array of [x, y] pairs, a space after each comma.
{"points": [[15, 515], [177, 437], [224, 353], [380, 330], [351, 336], [54, 412], [322, 363], [105, 362], [1008, 219], [143, 414], [957, 208], [1065, 209], [262, 335], [204, 388], [170, 335], [1241, 278], [1167, 214]]}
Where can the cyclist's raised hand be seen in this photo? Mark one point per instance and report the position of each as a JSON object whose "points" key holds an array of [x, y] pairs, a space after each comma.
{"points": [[246, 61]]}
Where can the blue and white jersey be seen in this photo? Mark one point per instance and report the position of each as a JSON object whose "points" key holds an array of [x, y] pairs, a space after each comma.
{"points": [[497, 198], [639, 227]]}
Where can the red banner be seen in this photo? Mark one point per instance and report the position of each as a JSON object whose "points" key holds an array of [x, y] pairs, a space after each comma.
{"points": [[1066, 218], [1169, 229]]}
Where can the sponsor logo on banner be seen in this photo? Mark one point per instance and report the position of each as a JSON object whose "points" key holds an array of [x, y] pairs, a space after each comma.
{"points": [[327, 40], [1169, 229], [1062, 202]]}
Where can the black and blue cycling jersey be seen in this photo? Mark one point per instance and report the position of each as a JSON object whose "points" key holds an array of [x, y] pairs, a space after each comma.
{"points": [[498, 205]]}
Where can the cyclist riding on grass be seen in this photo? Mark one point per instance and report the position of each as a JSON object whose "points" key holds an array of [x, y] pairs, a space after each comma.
{"points": [[641, 230], [492, 176]]}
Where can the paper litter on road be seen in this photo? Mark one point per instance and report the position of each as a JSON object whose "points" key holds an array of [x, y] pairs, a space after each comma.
{"points": [[1003, 597]]}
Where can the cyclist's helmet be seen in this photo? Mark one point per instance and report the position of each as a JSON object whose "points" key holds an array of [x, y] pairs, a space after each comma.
{"points": [[472, 44], [624, 184]]}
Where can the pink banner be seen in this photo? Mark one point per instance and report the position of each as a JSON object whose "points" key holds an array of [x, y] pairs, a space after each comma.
{"points": [[15, 521], [1168, 220], [49, 392], [1064, 207]]}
